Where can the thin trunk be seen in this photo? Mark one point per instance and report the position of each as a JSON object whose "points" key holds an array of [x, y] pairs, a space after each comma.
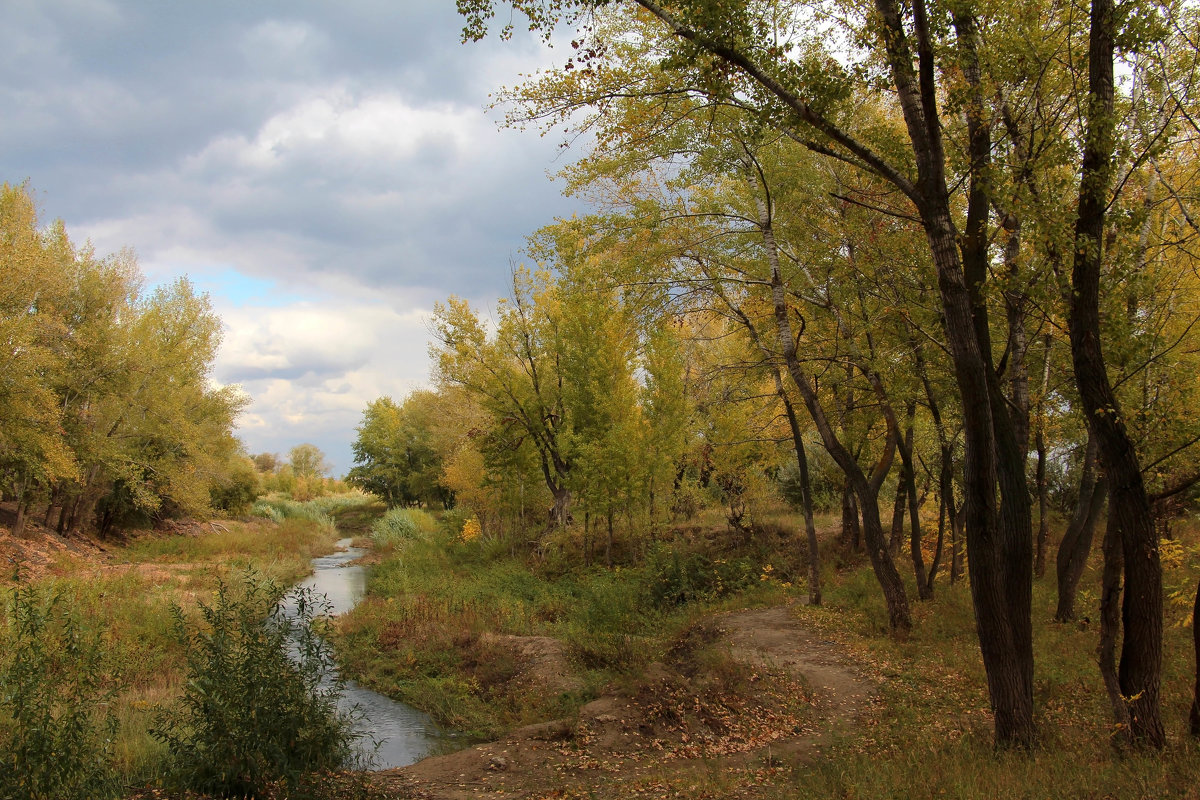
{"points": [[904, 446], [938, 547], [956, 539], [1140, 670], [898, 508], [1043, 492], [1077, 541], [1110, 628], [1194, 716], [608, 545], [851, 530], [810, 528]]}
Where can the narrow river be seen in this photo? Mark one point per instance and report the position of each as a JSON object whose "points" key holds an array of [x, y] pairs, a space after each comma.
{"points": [[404, 734]]}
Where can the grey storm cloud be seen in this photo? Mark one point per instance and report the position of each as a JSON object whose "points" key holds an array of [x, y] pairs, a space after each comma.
{"points": [[256, 116]]}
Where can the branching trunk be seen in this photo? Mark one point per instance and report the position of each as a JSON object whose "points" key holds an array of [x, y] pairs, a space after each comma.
{"points": [[904, 446], [866, 489]]}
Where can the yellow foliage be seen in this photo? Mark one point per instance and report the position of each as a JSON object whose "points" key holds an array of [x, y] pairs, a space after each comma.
{"points": [[471, 530]]}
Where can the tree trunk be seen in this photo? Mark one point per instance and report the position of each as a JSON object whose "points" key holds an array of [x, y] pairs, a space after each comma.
{"points": [[866, 490], [898, 509], [560, 512], [851, 530], [810, 528], [1129, 506], [1077, 541], [908, 479], [1043, 494], [608, 544], [1110, 628], [1194, 717]]}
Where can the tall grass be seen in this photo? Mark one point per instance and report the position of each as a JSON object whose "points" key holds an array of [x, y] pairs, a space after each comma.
{"points": [[400, 525]]}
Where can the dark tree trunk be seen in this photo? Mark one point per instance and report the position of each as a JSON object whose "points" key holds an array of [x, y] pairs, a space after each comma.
{"points": [[1129, 506], [1043, 494], [1110, 628], [908, 480], [898, 509], [851, 530], [18, 528], [810, 528], [608, 544], [1076, 543], [1194, 716]]}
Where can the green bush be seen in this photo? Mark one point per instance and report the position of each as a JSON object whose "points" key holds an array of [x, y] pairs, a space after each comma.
{"points": [[56, 729], [677, 578], [402, 524], [260, 702], [235, 491]]}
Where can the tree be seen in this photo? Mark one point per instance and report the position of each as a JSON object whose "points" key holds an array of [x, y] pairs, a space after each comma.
{"points": [[307, 461], [728, 49], [394, 453]]}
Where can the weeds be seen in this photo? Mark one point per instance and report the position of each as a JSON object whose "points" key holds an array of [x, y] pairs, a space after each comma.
{"points": [[57, 726], [260, 702]]}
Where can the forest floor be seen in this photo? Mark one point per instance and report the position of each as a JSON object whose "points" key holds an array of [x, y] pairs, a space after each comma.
{"points": [[682, 722]]}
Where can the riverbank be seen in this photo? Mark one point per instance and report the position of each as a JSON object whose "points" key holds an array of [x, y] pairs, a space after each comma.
{"points": [[639, 682], [120, 595]]}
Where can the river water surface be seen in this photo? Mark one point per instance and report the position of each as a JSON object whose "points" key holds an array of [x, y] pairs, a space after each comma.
{"points": [[404, 735]]}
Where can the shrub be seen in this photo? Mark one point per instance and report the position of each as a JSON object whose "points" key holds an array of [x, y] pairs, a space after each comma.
{"points": [[679, 578], [235, 491], [260, 702], [56, 729], [402, 524]]}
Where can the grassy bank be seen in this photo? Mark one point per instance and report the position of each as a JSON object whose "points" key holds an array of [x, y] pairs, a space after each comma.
{"points": [[124, 605], [431, 631], [428, 634]]}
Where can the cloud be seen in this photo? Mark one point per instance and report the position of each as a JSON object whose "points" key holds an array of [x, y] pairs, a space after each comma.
{"points": [[325, 170]]}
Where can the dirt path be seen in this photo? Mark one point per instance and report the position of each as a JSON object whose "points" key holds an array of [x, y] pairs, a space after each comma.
{"points": [[618, 747]]}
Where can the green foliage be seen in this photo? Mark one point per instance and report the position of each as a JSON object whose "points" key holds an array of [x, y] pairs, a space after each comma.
{"points": [[106, 404], [399, 525], [678, 578], [260, 702], [235, 492], [396, 452], [307, 461], [56, 726], [319, 510]]}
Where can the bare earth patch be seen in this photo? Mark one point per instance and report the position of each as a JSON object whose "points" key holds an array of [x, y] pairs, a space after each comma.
{"points": [[676, 728]]}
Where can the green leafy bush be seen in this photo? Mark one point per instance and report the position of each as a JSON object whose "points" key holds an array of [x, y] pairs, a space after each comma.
{"points": [[679, 578], [260, 702], [56, 729]]}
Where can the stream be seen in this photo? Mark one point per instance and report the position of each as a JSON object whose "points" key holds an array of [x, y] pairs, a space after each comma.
{"points": [[404, 734]]}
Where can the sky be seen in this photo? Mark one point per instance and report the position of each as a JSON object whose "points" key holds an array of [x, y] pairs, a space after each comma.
{"points": [[324, 169]]}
